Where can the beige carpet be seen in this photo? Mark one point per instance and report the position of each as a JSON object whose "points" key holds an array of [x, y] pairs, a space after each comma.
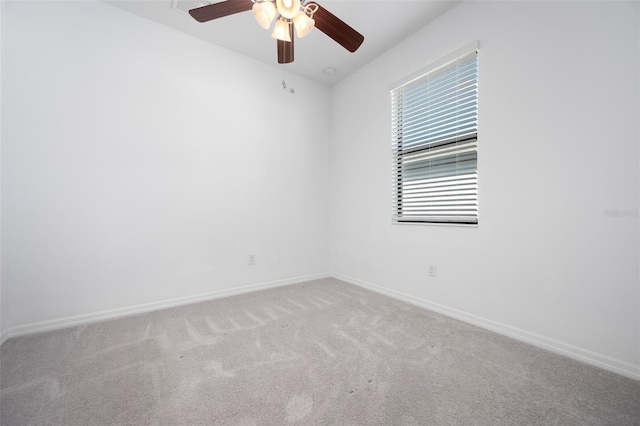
{"points": [[318, 353]]}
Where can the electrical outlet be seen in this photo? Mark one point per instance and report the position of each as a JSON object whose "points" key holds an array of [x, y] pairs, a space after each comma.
{"points": [[251, 259], [433, 271]]}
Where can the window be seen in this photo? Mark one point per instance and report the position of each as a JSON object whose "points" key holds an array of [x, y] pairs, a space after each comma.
{"points": [[435, 143]]}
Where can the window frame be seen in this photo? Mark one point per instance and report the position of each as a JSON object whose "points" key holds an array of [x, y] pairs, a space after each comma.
{"points": [[397, 183]]}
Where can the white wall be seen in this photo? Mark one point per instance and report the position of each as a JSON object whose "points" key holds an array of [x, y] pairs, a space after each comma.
{"points": [[558, 145], [141, 164], [2, 299]]}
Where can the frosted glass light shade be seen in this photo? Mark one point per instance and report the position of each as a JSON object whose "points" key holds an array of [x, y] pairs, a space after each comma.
{"points": [[264, 12], [303, 24], [281, 30], [288, 8]]}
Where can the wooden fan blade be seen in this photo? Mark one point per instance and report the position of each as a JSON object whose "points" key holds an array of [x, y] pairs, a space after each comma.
{"points": [[285, 48], [337, 29], [221, 9]]}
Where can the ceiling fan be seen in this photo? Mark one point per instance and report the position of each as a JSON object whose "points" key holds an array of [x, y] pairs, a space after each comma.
{"points": [[300, 15]]}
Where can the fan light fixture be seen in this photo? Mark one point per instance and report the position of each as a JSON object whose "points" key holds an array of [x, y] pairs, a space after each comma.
{"points": [[303, 24], [289, 11], [288, 8], [264, 12], [281, 30]]}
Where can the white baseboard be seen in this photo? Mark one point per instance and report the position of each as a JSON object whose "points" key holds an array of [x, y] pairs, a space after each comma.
{"points": [[147, 307], [611, 364], [580, 354]]}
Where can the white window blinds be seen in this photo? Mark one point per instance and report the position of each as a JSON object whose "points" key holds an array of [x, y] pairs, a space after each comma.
{"points": [[435, 145]]}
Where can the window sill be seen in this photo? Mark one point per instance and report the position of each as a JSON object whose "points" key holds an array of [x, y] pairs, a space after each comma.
{"points": [[456, 225]]}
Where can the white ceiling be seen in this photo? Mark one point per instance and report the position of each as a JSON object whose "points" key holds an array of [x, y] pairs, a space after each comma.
{"points": [[384, 23]]}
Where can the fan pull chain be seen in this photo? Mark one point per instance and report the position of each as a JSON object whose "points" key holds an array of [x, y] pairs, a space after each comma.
{"points": [[292, 90]]}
